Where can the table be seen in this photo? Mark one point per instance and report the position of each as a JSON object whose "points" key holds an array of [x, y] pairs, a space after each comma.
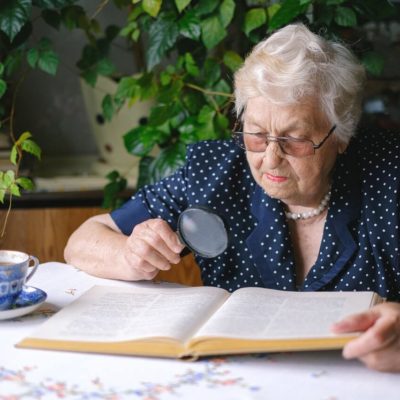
{"points": [[36, 374]]}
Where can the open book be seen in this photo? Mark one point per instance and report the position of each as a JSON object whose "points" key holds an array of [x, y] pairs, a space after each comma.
{"points": [[192, 322]]}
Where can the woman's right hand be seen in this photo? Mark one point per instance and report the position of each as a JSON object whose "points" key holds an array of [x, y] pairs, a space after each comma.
{"points": [[152, 247]]}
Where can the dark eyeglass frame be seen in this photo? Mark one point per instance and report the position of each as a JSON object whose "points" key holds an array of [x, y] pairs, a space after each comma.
{"points": [[279, 140]]}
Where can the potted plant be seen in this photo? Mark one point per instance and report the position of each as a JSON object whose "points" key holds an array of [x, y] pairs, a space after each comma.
{"points": [[20, 52], [191, 49]]}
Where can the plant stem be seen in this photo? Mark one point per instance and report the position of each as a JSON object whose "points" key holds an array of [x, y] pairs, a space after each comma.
{"points": [[11, 118], [3, 231], [209, 92], [99, 8]]}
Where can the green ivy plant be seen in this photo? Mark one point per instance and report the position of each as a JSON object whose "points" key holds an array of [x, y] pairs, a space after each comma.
{"points": [[20, 52], [193, 47]]}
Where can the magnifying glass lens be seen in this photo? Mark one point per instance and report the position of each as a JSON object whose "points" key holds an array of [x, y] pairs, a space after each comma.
{"points": [[203, 232]]}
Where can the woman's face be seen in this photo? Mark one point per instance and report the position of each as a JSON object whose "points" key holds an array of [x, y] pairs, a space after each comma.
{"points": [[295, 181]]}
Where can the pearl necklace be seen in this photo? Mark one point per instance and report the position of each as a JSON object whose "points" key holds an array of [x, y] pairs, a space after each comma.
{"points": [[312, 213]]}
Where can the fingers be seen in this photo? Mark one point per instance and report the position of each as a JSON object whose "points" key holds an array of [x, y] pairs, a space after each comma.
{"points": [[160, 237], [380, 335], [386, 359], [152, 246], [356, 322], [379, 346]]}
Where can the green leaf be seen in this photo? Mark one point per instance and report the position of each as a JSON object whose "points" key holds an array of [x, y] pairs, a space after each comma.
{"points": [[221, 122], [90, 77], [188, 130], [190, 65], [288, 11], [152, 7], [127, 89], [135, 35], [161, 113], [1, 69], [206, 114], [168, 161], [14, 189], [32, 57], [232, 60], [104, 67], [163, 34], [13, 16], [189, 25], [43, 57], [147, 85], [205, 7], [334, 2], [144, 177], [193, 101], [72, 16], [108, 107], [23, 137], [226, 12], [14, 154], [3, 88], [253, 19], [167, 95], [31, 147], [111, 190], [25, 183], [2, 195], [211, 72], [182, 4], [373, 63], [13, 61], [113, 175], [212, 31], [8, 178], [345, 16], [52, 18], [165, 78], [222, 86], [140, 141], [272, 10]]}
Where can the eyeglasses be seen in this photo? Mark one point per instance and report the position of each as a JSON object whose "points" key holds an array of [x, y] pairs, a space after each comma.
{"points": [[257, 142]]}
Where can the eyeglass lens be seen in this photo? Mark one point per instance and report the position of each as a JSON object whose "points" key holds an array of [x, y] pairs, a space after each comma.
{"points": [[259, 142]]}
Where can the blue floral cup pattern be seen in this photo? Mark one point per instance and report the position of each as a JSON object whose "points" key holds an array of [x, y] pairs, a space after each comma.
{"points": [[13, 275]]}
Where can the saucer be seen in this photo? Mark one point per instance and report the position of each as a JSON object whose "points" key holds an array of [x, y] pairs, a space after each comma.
{"points": [[29, 300]]}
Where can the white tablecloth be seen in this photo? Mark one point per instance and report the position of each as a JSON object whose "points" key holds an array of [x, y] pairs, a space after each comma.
{"points": [[35, 374]]}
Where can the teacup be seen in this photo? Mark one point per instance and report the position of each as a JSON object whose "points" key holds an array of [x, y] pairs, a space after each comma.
{"points": [[13, 275]]}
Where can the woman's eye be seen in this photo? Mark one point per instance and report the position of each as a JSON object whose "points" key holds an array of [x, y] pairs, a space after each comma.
{"points": [[259, 135]]}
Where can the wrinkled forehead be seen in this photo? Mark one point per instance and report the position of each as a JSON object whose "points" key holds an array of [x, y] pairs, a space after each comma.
{"points": [[305, 113]]}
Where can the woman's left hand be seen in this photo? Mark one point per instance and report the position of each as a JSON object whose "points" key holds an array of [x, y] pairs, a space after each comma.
{"points": [[378, 347]]}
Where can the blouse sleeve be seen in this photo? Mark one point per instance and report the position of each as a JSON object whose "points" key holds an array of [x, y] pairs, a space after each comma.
{"points": [[165, 199]]}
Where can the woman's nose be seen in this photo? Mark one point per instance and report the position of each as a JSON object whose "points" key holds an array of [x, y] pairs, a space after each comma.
{"points": [[273, 155]]}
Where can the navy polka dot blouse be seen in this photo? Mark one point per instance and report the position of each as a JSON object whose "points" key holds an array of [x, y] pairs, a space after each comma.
{"points": [[361, 238]]}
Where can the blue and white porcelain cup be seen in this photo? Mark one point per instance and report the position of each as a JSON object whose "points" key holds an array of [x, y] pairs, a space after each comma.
{"points": [[14, 267]]}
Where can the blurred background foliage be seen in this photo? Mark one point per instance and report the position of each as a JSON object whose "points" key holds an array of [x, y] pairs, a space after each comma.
{"points": [[187, 52]]}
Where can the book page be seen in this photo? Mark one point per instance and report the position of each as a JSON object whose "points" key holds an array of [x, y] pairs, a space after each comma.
{"points": [[119, 313], [257, 313]]}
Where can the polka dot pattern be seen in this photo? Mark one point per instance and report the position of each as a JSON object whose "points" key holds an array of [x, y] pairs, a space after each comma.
{"points": [[360, 244]]}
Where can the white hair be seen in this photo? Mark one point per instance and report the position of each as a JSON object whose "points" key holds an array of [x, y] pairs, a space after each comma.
{"points": [[294, 63]]}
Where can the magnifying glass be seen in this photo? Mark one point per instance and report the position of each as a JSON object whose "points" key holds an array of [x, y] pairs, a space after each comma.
{"points": [[203, 231]]}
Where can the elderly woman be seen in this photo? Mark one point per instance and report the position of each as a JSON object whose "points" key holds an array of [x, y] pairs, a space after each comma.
{"points": [[309, 205]]}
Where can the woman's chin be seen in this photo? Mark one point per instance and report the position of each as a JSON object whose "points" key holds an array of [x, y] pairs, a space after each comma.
{"points": [[275, 193]]}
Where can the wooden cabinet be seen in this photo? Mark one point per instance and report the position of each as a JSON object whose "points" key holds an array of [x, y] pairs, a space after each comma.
{"points": [[44, 233]]}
